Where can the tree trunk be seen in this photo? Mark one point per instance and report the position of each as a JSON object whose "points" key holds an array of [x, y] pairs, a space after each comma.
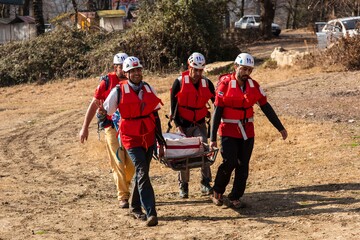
{"points": [[294, 25], [91, 5], [267, 10], [5, 11], [102, 5], [242, 8], [39, 18], [24, 10], [76, 12]]}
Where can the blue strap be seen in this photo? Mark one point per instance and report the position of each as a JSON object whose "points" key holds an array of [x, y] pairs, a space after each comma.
{"points": [[117, 154]]}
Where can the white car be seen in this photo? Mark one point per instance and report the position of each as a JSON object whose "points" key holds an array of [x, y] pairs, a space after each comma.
{"points": [[337, 28], [253, 21]]}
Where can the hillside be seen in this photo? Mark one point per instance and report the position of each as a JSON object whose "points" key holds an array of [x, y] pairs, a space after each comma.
{"points": [[307, 187]]}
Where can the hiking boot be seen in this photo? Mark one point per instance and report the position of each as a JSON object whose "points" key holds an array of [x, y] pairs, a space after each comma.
{"points": [[152, 221], [236, 204], [184, 193], [184, 190], [124, 203], [138, 215], [206, 189], [217, 198]]}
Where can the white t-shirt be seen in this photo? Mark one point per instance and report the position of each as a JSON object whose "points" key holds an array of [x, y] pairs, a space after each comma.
{"points": [[111, 102]]}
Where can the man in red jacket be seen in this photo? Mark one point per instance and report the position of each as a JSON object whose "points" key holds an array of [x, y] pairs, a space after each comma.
{"points": [[233, 117], [139, 127], [190, 94], [122, 168]]}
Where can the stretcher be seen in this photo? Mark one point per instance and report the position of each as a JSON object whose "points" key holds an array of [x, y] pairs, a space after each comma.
{"points": [[183, 153], [196, 160]]}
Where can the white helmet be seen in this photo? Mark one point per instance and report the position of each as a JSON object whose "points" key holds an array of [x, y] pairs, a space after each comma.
{"points": [[197, 60], [131, 63], [120, 57], [245, 59]]}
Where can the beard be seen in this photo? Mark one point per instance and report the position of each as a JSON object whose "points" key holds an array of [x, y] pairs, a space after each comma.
{"points": [[243, 78]]}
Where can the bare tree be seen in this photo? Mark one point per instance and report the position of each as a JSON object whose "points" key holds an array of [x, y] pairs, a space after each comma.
{"points": [[24, 9], [38, 15], [242, 8], [91, 5], [267, 14], [4, 10], [76, 12]]}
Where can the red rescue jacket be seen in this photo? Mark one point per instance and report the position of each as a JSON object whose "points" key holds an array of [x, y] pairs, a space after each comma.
{"points": [[103, 90], [238, 105], [137, 123], [192, 101]]}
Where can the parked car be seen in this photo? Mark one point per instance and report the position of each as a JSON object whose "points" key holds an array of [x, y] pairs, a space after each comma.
{"points": [[338, 28], [48, 27], [253, 21]]}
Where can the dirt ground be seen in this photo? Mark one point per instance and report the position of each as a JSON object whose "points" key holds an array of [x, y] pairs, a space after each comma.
{"points": [[307, 187]]}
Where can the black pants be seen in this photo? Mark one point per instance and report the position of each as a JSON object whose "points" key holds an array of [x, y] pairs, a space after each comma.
{"points": [[236, 155]]}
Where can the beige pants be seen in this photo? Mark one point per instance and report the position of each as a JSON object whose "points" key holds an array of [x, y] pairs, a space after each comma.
{"points": [[123, 170]]}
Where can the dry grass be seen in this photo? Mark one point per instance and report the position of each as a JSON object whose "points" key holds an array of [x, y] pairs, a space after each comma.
{"points": [[304, 187]]}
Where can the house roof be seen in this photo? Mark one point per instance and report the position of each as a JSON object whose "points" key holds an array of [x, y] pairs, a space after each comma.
{"points": [[26, 19], [111, 13], [18, 19], [5, 20], [87, 14]]}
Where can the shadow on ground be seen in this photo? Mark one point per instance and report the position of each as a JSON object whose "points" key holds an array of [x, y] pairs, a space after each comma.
{"points": [[299, 201]]}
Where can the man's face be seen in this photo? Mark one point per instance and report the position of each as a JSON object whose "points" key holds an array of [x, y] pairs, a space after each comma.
{"points": [[118, 70], [242, 71], [135, 75], [195, 74]]}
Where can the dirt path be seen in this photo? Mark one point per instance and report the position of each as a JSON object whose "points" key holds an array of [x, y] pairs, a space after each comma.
{"points": [[53, 187], [297, 40]]}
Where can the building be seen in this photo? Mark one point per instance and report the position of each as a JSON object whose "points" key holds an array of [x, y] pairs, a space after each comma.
{"points": [[16, 29], [111, 20]]}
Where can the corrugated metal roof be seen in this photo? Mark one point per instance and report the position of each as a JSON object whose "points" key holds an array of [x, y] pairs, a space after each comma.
{"points": [[111, 13], [18, 19], [27, 19], [12, 2]]}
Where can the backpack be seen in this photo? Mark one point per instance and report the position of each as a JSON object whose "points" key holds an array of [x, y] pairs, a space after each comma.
{"points": [[106, 79]]}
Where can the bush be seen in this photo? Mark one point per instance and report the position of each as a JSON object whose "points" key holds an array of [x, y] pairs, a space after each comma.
{"points": [[342, 55], [163, 37], [44, 58]]}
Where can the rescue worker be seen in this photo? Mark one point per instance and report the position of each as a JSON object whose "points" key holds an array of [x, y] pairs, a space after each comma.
{"points": [[123, 169], [236, 93], [139, 125], [190, 94]]}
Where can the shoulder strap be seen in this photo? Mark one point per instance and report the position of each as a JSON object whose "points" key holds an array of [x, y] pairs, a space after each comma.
{"points": [[118, 94], [106, 79]]}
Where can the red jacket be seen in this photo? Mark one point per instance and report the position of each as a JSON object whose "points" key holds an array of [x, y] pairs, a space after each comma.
{"points": [[238, 105], [192, 101], [104, 88], [137, 123]]}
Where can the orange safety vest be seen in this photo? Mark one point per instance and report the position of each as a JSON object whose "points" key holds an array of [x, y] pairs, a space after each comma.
{"points": [[192, 101], [137, 123], [237, 117]]}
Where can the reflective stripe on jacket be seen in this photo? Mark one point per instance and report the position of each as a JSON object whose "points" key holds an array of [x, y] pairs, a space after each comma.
{"points": [[137, 123], [238, 107], [192, 101]]}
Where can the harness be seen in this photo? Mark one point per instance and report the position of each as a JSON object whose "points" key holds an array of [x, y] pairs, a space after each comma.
{"points": [[240, 123]]}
